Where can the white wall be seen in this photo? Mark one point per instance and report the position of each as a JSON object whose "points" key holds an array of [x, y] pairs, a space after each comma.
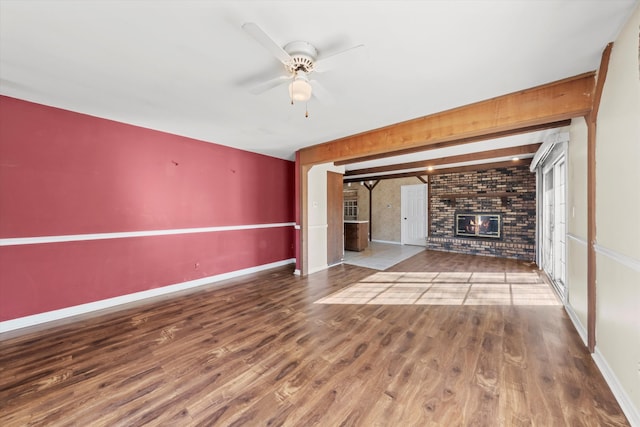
{"points": [[617, 231], [317, 215]]}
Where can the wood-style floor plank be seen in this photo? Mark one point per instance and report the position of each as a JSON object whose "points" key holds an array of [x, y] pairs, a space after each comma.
{"points": [[257, 351]]}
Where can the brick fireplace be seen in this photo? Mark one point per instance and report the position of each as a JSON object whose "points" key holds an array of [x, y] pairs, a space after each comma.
{"points": [[506, 196]]}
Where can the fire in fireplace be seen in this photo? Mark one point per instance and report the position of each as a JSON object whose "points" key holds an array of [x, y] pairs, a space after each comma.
{"points": [[469, 224]]}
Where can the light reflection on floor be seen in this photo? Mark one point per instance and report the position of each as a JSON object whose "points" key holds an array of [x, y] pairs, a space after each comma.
{"points": [[447, 288]]}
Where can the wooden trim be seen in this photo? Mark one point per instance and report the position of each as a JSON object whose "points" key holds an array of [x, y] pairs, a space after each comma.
{"points": [[591, 120], [462, 158], [335, 216], [591, 235], [552, 102], [392, 176], [469, 168], [601, 77]]}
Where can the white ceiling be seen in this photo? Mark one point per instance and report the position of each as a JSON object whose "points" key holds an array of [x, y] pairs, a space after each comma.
{"points": [[187, 66]]}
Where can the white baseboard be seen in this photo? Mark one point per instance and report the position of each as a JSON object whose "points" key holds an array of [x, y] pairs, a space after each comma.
{"points": [[50, 316], [316, 269], [631, 412], [577, 324]]}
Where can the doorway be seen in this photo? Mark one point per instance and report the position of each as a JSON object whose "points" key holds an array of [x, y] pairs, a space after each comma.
{"points": [[413, 214]]}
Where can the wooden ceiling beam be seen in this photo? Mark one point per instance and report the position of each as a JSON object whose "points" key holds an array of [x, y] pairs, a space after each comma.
{"points": [[493, 135], [469, 157], [552, 102], [469, 168]]}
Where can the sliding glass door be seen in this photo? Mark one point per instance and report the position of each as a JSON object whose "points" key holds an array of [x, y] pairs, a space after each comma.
{"points": [[554, 230]]}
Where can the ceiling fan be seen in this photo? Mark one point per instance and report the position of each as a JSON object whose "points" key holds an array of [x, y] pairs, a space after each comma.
{"points": [[300, 60]]}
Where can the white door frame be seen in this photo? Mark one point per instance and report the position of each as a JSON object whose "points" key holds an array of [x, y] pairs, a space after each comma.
{"points": [[548, 220]]}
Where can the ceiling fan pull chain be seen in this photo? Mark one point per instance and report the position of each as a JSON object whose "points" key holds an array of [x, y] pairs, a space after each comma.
{"points": [[306, 110]]}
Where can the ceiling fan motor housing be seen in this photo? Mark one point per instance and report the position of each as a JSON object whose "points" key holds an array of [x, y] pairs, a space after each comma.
{"points": [[303, 56]]}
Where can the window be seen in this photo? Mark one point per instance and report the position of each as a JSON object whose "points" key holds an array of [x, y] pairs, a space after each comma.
{"points": [[351, 209]]}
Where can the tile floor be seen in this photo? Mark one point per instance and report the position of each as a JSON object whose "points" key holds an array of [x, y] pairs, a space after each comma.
{"points": [[380, 256]]}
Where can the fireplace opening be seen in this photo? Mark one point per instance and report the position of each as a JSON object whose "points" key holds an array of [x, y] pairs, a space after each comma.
{"points": [[472, 224]]}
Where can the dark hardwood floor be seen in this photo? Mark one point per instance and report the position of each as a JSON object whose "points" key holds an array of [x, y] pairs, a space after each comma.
{"points": [[258, 351]]}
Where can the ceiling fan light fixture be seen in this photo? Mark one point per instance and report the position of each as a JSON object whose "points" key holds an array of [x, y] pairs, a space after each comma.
{"points": [[300, 88]]}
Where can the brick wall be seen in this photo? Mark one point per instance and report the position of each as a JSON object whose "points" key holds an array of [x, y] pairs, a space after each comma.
{"points": [[518, 211]]}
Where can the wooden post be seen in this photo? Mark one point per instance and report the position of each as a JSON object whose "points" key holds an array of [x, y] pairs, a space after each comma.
{"points": [[370, 187], [592, 119]]}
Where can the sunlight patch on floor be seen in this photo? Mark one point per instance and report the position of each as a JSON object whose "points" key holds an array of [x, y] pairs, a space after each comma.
{"points": [[447, 288]]}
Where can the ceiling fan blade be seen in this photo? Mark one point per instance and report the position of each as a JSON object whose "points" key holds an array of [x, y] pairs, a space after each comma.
{"points": [[329, 62], [269, 84], [320, 93], [266, 41]]}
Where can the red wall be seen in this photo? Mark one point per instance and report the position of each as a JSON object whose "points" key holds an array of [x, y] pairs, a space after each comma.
{"points": [[64, 173]]}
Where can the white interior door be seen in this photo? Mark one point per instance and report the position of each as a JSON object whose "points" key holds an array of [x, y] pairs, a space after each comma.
{"points": [[413, 212]]}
